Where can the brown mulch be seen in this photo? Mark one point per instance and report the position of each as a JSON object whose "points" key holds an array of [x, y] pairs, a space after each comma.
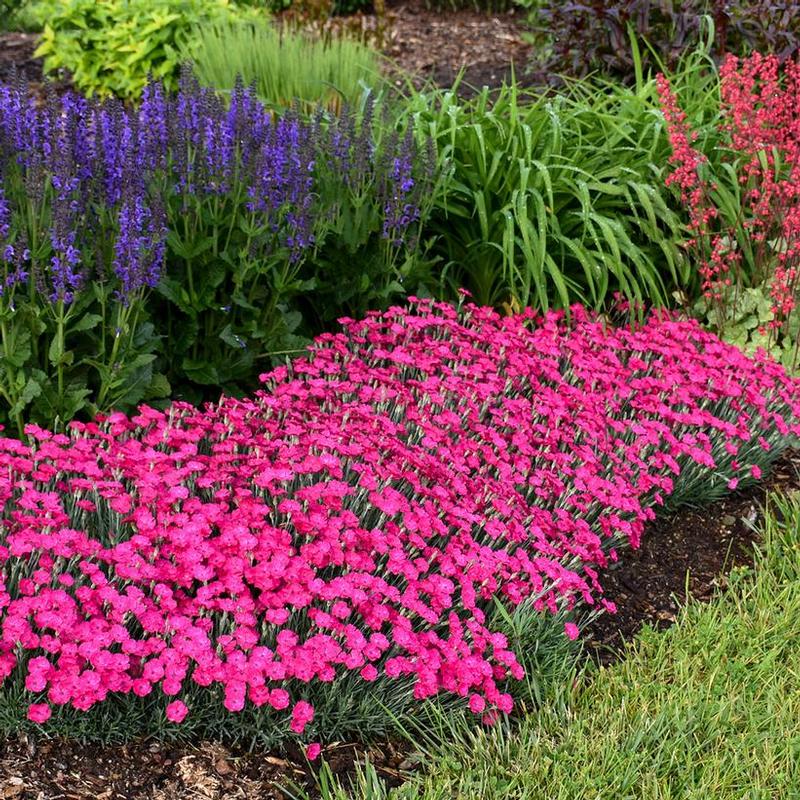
{"points": [[430, 45], [58, 770], [436, 45], [16, 53]]}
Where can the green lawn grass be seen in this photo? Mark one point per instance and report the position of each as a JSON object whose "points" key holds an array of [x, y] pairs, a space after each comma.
{"points": [[707, 710]]}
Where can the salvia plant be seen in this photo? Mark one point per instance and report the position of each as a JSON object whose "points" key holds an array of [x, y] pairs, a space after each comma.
{"points": [[167, 245], [338, 541], [744, 212]]}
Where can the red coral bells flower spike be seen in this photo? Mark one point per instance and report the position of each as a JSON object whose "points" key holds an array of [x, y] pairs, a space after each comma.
{"points": [[760, 143], [364, 513]]}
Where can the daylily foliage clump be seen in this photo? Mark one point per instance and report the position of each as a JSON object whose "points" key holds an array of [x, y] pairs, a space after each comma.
{"points": [[364, 512]]}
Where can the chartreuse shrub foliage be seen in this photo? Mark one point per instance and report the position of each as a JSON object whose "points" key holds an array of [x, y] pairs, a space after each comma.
{"points": [[112, 47], [173, 248], [708, 708], [555, 199], [382, 525], [283, 66]]}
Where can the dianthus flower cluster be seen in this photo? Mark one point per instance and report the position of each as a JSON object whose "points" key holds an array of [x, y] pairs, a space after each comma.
{"points": [[761, 127], [364, 511]]}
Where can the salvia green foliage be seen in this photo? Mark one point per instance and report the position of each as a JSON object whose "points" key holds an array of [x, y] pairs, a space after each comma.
{"points": [[178, 249]]}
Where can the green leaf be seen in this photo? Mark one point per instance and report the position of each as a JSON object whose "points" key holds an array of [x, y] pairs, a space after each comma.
{"points": [[56, 351], [737, 335], [184, 336], [240, 300], [73, 401], [159, 387], [231, 339], [86, 322], [793, 325], [211, 277], [20, 350], [57, 355], [174, 291], [748, 301], [201, 371], [141, 360], [146, 339], [291, 319], [134, 387], [750, 322], [29, 393]]}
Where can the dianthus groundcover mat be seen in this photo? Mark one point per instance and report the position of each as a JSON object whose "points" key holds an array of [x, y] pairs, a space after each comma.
{"points": [[361, 515]]}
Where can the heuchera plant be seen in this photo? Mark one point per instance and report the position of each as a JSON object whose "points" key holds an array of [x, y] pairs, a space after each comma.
{"points": [[361, 514], [228, 212], [744, 221]]}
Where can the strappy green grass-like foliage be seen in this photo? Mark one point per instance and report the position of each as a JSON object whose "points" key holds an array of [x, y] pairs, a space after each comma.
{"points": [[557, 199], [284, 66]]}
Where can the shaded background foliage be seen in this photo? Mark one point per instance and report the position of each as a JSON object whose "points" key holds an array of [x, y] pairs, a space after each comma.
{"points": [[9, 9], [583, 36]]}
